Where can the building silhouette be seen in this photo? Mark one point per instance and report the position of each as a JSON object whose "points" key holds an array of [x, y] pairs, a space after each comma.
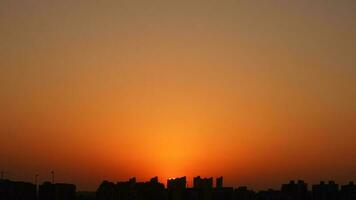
{"points": [[270, 194], [177, 183], [131, 190], [56, 191], [176, 188], [202, 183], [219, 182], [17, 190], [348, 192], [107, 191], [242, 193], [295, 190], [325, 191], [85, 195]]}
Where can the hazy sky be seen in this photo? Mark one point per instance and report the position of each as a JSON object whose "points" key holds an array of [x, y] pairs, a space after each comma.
{"points": [[257, 91]]}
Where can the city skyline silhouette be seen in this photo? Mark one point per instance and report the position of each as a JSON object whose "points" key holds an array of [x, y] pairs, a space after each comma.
{"points": [[175, 189]]}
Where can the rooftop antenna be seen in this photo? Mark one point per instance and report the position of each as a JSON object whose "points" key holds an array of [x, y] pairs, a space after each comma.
{"points": [[36, 179], [52, 172]]}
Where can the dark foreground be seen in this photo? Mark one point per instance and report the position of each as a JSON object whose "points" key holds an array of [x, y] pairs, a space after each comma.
{"points": [[176, 189]]}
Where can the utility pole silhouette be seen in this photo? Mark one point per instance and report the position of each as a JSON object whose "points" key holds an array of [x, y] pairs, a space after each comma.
{"points": [[52, 172], [36, 182]]}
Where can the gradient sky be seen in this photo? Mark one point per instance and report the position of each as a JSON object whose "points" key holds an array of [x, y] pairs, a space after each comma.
{"points": [[257, 91]]}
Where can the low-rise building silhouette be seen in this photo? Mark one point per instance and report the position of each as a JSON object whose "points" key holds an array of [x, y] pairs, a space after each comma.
{"points": [[86, 195], [16, 190], [131, 190], [56, 191], [242, 193], [295, 190], [107, 191], [348, 192], [270, 194], [223, 193], [325, 191]]}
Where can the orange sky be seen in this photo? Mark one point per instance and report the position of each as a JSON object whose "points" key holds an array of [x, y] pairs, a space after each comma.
{"points": [[257, 91]]}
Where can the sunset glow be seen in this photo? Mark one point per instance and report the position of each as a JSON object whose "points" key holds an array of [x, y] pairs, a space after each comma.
{"points": [[256, 91]]}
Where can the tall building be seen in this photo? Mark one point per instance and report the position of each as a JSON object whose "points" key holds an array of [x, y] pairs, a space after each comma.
{"points": [[176, 188], [219, 182]]}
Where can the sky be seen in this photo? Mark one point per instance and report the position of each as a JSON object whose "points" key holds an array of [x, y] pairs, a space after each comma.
{"points": [[259, 92]]}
